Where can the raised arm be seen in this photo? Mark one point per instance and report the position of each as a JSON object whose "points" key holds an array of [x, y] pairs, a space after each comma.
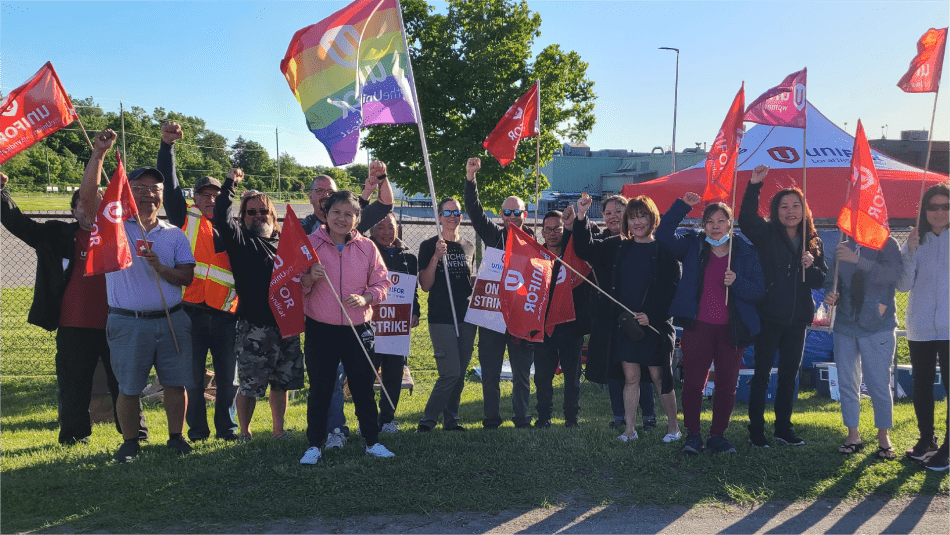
{"points": [[486, 230], [228, 230], [666, 231], [752, 224], [89, 187], [13, 219], [174, 197], [586, 247]]}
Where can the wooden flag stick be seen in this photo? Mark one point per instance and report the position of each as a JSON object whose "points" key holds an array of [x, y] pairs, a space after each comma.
{"points": [[732, 226], [804, 185], [537, 164], [923, 181]]}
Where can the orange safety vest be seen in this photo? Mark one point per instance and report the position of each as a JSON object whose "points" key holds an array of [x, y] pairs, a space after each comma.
{"points": [[214, 281]]}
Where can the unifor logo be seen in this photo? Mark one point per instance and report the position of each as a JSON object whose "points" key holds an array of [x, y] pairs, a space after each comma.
{"points": [[799, 96], [394, 278], [784, 154], [513, 281], [341, 45], [113, 212]]}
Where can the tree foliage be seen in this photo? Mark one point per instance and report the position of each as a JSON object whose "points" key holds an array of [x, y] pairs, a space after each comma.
{"points": [[470, 66]]}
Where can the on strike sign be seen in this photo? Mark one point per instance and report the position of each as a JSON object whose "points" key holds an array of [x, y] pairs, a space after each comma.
{"points": [[392, 317], [484, 309]]}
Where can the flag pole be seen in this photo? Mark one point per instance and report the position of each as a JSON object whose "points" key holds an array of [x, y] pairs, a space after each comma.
{"points": [[923, 181], [425, 159], [804, 185], [732, 227], [147, 247], [537, 164]]}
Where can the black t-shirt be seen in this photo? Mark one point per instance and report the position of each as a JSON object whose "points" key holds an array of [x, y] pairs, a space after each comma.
{"points": [[460, 256]]}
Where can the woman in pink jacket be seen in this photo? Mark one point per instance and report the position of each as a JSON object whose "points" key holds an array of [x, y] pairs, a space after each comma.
{"points": [[352, 273]]}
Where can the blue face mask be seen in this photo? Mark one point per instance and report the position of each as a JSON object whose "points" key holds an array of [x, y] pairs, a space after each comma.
{"points": [[720, 241]]}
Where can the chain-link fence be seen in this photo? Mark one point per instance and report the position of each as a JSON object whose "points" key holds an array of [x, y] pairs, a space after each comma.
{"points": [[30, 350]]}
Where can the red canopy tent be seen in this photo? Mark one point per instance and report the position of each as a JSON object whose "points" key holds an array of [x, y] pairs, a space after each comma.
{"points": [[829, 167]]}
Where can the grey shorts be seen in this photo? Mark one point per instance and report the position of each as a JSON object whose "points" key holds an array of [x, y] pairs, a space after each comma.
{"points": [[139, 344], [264, 358]]}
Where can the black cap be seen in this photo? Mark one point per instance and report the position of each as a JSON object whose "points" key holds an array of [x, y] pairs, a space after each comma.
{"points": [[206, 181], [141, 171]]}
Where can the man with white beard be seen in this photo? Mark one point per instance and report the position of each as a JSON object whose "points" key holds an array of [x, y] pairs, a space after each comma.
{"points": [[263, 356]]}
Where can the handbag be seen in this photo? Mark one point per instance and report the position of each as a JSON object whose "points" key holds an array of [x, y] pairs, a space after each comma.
{"points": [[629, 325]]}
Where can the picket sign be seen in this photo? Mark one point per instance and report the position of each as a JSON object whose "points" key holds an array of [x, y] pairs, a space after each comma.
{"points": [[484, 309]]}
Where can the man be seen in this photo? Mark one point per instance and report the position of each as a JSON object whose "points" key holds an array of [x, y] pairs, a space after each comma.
{"points": [[320, 189], [491, 344], [73, 306], [264, 357], [142, 332], [210, 301]]}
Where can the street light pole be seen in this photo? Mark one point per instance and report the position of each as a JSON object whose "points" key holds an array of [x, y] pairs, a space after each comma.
{"points": [[676, 88]]}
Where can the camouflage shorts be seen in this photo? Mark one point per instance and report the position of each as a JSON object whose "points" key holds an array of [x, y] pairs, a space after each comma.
{"points": [[263, 358]]}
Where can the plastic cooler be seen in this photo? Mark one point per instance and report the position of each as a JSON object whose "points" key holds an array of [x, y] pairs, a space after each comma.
{"points": [[903, 376], [744, 385], [819, 378]]}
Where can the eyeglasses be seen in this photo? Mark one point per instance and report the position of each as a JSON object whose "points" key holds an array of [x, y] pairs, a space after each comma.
{"points": [[548, 230], [322, 192], [450, 213], [254, 211], [209, 195], [147, 189], [516, 213], [932, 207]]}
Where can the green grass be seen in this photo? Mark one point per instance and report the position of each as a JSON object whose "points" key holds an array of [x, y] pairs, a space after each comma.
{"points": [[228, 486], [39, 202]]}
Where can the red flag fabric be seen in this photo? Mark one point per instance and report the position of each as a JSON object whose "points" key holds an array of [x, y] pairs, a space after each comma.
{"points": [[570, 257], [721, 161], [521, 120], [864, 215], [294, 254], [561, 309], [108, 244], [526, 284], [783, 105], [33, 111], [923, 76]]}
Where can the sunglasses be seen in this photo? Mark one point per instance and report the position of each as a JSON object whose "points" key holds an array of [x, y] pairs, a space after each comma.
{"points": [[450, 213], [254, 211], [934, 207], [516, 213]]}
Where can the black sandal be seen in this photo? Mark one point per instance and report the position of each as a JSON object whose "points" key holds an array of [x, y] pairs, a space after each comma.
{"points": [[886, 454], [850, 449]]}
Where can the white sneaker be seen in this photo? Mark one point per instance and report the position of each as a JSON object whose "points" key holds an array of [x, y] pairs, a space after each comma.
{"points": [[625, 438], [673, 437], [391, 427], [335, 439], [378, 450], [311, 456]]}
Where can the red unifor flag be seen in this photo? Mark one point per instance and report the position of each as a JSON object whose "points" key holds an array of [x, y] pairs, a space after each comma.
{"points": [[561, 309], [783, 105], [521, 120], [526, 283], [864, 215], [33, 111], [108, 244], [721, 160], [923, 76], [294, 255]]}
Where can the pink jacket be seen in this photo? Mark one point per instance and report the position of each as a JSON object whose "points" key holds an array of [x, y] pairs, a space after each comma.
{"points": [[363, 271]]}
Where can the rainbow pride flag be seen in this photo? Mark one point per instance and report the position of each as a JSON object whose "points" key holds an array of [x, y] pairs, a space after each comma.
{"points": [[350, 70]]}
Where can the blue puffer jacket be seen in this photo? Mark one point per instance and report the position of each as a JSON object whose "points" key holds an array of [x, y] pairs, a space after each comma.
{"points": [[689, 248]]}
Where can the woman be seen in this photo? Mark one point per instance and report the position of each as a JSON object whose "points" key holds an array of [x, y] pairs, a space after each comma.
{"points": [[787, 308], [397, 259], [452, 352], [350, 272], [647, 295], [715, 305], [925, 275], [865, 336], [612, 208]]}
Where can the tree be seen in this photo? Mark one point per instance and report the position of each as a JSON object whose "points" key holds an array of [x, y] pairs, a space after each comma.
{"points": [[470, 66]]}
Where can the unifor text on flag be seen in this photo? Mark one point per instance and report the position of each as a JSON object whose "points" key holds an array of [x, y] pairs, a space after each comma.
{"points": [[522, 120], [294, 255], [108, 243], [349, 71], [864, 214], [721, 160], [923, 75], [33, 111], [782, 105], [525, 285]]}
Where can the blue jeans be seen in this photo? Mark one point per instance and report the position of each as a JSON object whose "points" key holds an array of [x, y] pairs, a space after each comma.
{"points": [[335, 416], [212, 331]]}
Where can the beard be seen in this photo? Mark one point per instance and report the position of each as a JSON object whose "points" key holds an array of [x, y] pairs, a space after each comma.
{"points": [[262, 229]]}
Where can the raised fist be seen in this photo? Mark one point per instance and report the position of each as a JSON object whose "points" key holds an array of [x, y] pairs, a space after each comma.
{"points": [[691, 198], [104, 140], [472, 167], [758, 174], [236, 174], [171, 132], [583, 205], [376, 168]]}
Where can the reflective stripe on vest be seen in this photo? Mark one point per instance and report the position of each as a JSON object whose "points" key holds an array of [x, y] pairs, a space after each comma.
{"points": [[213, 283]]}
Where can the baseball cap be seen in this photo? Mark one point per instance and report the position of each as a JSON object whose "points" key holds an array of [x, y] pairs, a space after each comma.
{"points": [[206, 181], [141, 171]]}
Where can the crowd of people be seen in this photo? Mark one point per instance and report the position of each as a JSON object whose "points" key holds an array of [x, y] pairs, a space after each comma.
{"points": [[211, 271]]}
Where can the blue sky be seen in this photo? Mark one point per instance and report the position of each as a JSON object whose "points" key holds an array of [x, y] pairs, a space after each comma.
{"points": [[220, 61]]}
